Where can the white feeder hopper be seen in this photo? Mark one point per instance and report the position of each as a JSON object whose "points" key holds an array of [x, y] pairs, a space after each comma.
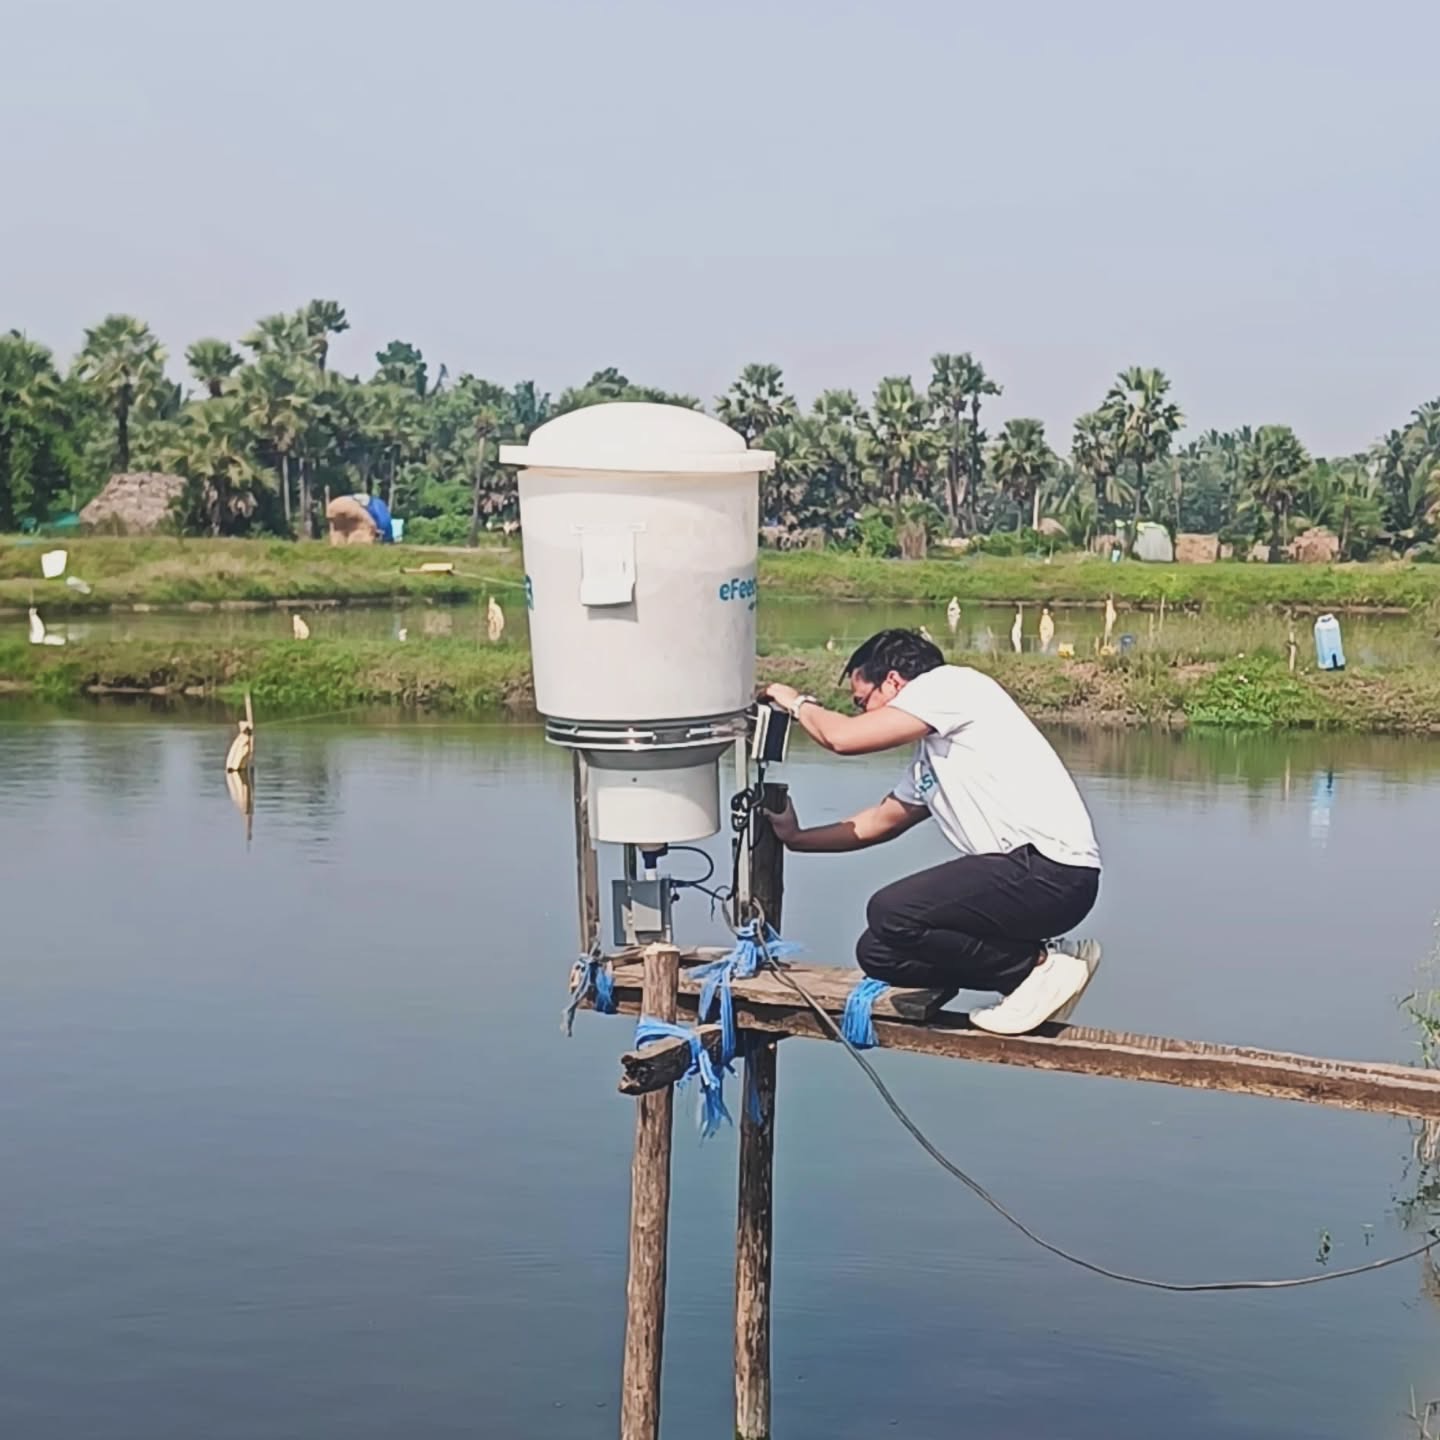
{"points": [[639, 525]]}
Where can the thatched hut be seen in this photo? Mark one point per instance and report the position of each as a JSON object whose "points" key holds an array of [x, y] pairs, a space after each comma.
{"points": [[1316, 546], [351, 523], [1192, 548], [133, 504]]}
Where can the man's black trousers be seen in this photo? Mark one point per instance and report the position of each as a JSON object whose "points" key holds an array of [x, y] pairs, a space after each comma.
{"points": [[977, 923]]}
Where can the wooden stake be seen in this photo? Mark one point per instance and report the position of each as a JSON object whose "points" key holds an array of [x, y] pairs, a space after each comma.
{"points": [[649, 1223], [587, 876], [767, 862], [754, 1236]]}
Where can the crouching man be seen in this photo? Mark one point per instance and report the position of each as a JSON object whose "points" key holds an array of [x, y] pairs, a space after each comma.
{"points": [[1029, 866]]}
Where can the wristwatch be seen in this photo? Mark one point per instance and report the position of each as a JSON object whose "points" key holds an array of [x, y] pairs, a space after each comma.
{"points": [[799, 701]]}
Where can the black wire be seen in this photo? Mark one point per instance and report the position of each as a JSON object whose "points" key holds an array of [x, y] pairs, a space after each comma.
{"points": [[698, 884], [977, 1189]]}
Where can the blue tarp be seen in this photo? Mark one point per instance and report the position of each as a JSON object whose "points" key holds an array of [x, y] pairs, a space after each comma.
{"points": [[380, 514]]}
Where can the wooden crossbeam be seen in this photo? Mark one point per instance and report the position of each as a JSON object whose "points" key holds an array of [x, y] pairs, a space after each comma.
{"points": [[767, 1005]]}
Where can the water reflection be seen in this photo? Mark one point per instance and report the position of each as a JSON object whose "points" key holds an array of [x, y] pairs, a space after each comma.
{"points": [[292, 1144], [241, 785]]}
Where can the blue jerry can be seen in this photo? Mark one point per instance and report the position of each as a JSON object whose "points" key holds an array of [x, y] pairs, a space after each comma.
{"points": [[1329, 653]]}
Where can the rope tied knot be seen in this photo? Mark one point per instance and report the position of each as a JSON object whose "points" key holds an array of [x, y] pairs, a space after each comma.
{"points": [[857, 1024], [710, 1108], [757, 945], [591, 977]]}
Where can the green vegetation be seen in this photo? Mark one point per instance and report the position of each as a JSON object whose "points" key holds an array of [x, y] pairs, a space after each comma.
{"points": [[268, 432], [166, 571], [458, 676], [1086, 579], [451, 675]]}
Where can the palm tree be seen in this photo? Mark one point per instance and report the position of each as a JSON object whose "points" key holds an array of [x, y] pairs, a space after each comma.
{"points": [[123, 360], [1423, 442], [212, 363], [322, 319], [1143, 421], [845, 445], [491, 409], [609, 384], [38, 461], [393, 423], [1075, 507], [1275, 473], [528, 408], [283, 336], [211, 449], [1022, 462], [274, 405], [958, 384], [903, 444], [1095, 456], [1344, 497], [756, 402], [800, 497], [402, 364]]}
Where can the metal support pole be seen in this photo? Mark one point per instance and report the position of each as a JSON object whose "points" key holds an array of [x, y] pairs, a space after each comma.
{"points": [[587, 869]]}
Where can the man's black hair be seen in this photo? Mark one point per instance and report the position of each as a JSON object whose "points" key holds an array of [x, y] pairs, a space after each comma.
{"points": [[907, 652]]}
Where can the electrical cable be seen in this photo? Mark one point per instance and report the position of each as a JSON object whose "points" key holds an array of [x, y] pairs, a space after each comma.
{"points": [[981, 1193]]}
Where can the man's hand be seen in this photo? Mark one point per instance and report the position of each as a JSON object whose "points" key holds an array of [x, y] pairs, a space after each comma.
{"points": [[784, 696], [785, 823]]}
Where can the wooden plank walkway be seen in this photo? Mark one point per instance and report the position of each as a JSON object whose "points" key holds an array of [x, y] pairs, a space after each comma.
{"points": [[910, 1021]]}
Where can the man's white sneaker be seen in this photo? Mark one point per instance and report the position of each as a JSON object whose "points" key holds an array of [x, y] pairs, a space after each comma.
{"points": [[1055, 984], [1089, 951]]}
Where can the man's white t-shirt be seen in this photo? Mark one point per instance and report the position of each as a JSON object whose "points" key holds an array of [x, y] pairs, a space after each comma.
{"points": [[989, 777]]}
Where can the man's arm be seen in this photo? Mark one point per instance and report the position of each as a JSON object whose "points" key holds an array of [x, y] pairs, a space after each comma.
{"points": [[881, 729], [872, 826]]}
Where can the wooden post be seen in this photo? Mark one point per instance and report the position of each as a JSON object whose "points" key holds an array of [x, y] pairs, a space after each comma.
{"points": [[649, 1223], [767, 861], [754, 1237], [587, 874]]}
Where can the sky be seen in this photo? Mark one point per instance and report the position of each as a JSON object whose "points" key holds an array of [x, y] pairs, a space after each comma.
{"points": [[1246, 195]]}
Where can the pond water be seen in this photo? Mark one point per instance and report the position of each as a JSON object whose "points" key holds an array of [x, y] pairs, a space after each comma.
{"points": [[1372, 640], [293, 1145]]}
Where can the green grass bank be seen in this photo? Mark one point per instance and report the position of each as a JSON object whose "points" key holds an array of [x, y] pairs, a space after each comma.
{"points": [[167, 572], [459, 677]]}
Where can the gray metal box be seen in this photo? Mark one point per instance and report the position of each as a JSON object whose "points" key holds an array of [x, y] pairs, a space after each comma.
{"points": [[642, 911]]}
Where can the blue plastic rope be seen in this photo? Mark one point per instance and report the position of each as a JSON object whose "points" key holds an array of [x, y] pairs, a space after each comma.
{"points": [[740, 964], [590, 976], [711, 1108], [857, 1024]]}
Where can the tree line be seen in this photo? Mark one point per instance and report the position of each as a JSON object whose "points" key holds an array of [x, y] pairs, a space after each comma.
{"points": [[268, 428]]}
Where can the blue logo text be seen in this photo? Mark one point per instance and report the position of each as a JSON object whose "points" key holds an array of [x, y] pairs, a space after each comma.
{"points": [[739, 589]]}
